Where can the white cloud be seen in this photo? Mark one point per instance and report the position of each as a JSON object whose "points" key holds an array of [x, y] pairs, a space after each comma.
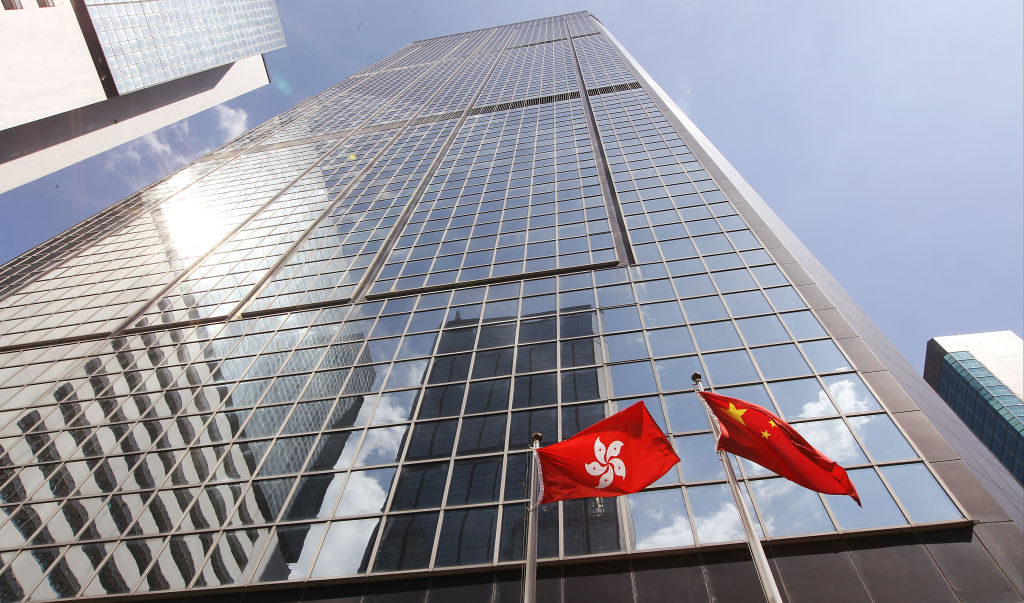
{"points": [[231, 121], [156, 154]]}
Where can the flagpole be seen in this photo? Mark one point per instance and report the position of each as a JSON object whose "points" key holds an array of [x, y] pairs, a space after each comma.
{"points": [[764, 571], [530, 579]]}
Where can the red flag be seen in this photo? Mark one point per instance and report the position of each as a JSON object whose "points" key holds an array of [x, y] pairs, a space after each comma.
{"points": [[622, 454], [757, 434]]}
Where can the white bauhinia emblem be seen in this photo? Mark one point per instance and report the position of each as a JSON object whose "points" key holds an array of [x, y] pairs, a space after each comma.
{"points": [[607, 465]]}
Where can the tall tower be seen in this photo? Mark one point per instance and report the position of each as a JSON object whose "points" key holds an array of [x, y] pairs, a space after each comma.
{"points": [[83, 76], [981, 377], [311, 361]]}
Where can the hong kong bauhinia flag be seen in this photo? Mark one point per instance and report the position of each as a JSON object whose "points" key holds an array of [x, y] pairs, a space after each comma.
{"points": [[759, 435], [622, 454]]}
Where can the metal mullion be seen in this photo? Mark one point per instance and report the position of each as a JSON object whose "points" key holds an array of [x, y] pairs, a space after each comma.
{"points": [[184, 274], [357, 179], [616, 221], [107, 454], [389, 243]]}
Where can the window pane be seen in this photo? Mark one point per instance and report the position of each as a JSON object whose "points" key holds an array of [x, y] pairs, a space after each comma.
{"points": [[674, 373], [670, 342], [443, 401], [850, 393], [762, 330], [626, 346], [633, 379], [475, 481], [487, 396], [432, 439], [699, 459], [780, 361], [535, 390], [591, 526], [406, 542], [882, 439], [804, 325], [825, 356], [834, 440], [420, 486], [345, 549], [729, 367], [467, 537], [801, 399], [788, 509], [920, 494], [366, 492], [686, 413], [659, 520], [716, 336], [482, 434], [381, 445], [394, 407], [879, 510]]}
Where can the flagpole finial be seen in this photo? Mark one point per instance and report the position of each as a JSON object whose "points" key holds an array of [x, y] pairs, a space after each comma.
{"points": [[537, 437], [695, 377]]}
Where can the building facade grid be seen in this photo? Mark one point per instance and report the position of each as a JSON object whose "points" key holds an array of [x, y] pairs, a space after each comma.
{"points": [[403, 278]]}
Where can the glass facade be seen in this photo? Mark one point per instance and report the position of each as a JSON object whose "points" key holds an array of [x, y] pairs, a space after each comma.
{"points": [[987, 406], [147, 42], [320, 351]]}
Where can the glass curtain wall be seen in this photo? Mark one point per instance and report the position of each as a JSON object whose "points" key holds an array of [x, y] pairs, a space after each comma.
{"points": [[336, 371]]}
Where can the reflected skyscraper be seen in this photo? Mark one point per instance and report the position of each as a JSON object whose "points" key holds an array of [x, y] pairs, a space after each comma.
{"points": [[311, 361]]}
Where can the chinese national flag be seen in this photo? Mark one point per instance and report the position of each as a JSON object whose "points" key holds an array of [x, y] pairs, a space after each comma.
{"points": [[622, 454], [756, 434]]}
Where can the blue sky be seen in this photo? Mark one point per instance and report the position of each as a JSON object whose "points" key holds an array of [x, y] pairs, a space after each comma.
{"points": [[889, 136]]}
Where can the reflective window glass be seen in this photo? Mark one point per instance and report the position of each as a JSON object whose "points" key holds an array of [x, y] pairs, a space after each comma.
{"points": [[878, 510], [699, 458], [345, 549], [716, 336], [381, 445], [406, 542], [591, 525], [882, 438], [670, 342], [482, 434], [633, 379], [780, 361], [674, 373], [365, 492], [467, 536], [626, 346], [920, 493], [659, 520], [834, 439], [850, 393], [420, 486], [475, 481], [801, 399], [431, 439], [788, 509], [825, 356], [762, 330], [730, 367], [803, 325], [620, 319], [686, 413]]}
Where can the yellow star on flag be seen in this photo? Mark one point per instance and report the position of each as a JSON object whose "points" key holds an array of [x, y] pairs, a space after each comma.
{"points": [[772, 423], [736, 413], [765, 434]]}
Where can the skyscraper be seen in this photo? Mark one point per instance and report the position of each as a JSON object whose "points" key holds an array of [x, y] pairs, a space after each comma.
{"points": [[83, 76], [981, 377], [311, 361]]}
